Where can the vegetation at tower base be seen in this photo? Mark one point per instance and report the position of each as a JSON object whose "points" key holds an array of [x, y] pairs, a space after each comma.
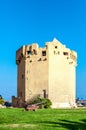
{"points": [[42, 102], [1, 100]]}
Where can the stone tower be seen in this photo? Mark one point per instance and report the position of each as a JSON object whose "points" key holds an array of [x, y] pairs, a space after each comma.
{"points": [[48, 72]]}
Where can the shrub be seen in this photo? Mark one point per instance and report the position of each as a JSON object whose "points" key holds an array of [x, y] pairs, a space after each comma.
{"points": [[2, 101], [47, 103], [42, 102]]}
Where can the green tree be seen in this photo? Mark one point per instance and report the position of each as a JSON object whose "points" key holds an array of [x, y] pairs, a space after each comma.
{"points": [[1, 100], [0, 96]]}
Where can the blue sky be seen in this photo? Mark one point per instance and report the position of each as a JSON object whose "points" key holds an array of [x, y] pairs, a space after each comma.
{"points": [[26, 21]]}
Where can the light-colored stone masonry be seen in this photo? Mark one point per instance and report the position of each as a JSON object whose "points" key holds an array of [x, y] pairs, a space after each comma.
{"points": [[48, 72]]}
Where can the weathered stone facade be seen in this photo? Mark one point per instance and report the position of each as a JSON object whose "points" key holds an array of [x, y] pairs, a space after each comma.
{"points": [[48, 72]]}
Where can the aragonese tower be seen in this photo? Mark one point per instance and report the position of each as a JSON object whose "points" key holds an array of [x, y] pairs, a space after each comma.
{"points": [[48, 72]]}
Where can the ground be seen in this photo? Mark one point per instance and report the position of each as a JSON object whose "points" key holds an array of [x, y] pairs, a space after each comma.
{"points": [[43, 119]]}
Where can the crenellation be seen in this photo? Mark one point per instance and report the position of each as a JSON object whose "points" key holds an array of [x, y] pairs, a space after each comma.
{"points": [[73, 55], [20, 54]]}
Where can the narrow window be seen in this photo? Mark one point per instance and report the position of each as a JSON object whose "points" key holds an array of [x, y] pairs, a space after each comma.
{"points": [[21, 54], [22, 76], [43, 53], [65, 53], [34, 52], [44, 93]]}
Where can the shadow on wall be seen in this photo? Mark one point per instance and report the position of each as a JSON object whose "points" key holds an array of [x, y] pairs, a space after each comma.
{"points": [[69, 125]]}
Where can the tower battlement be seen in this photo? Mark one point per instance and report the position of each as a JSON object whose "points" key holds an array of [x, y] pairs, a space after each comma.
{"points": [[33, 51]]}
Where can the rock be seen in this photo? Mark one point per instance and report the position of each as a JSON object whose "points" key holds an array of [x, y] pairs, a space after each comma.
{"points": [[1, 106]]}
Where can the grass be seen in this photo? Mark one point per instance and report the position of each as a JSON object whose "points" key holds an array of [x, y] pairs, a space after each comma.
{"points": [[43, 119]]}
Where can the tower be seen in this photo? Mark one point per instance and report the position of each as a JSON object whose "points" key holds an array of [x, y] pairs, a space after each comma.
{"points": [[48, 72]]}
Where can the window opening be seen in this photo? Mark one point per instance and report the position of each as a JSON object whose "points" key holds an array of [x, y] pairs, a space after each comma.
{"points": [[65, 53], [44, 93], [43, 53], [29, 52], [34, 52], [22, 76], [56, 47]]}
